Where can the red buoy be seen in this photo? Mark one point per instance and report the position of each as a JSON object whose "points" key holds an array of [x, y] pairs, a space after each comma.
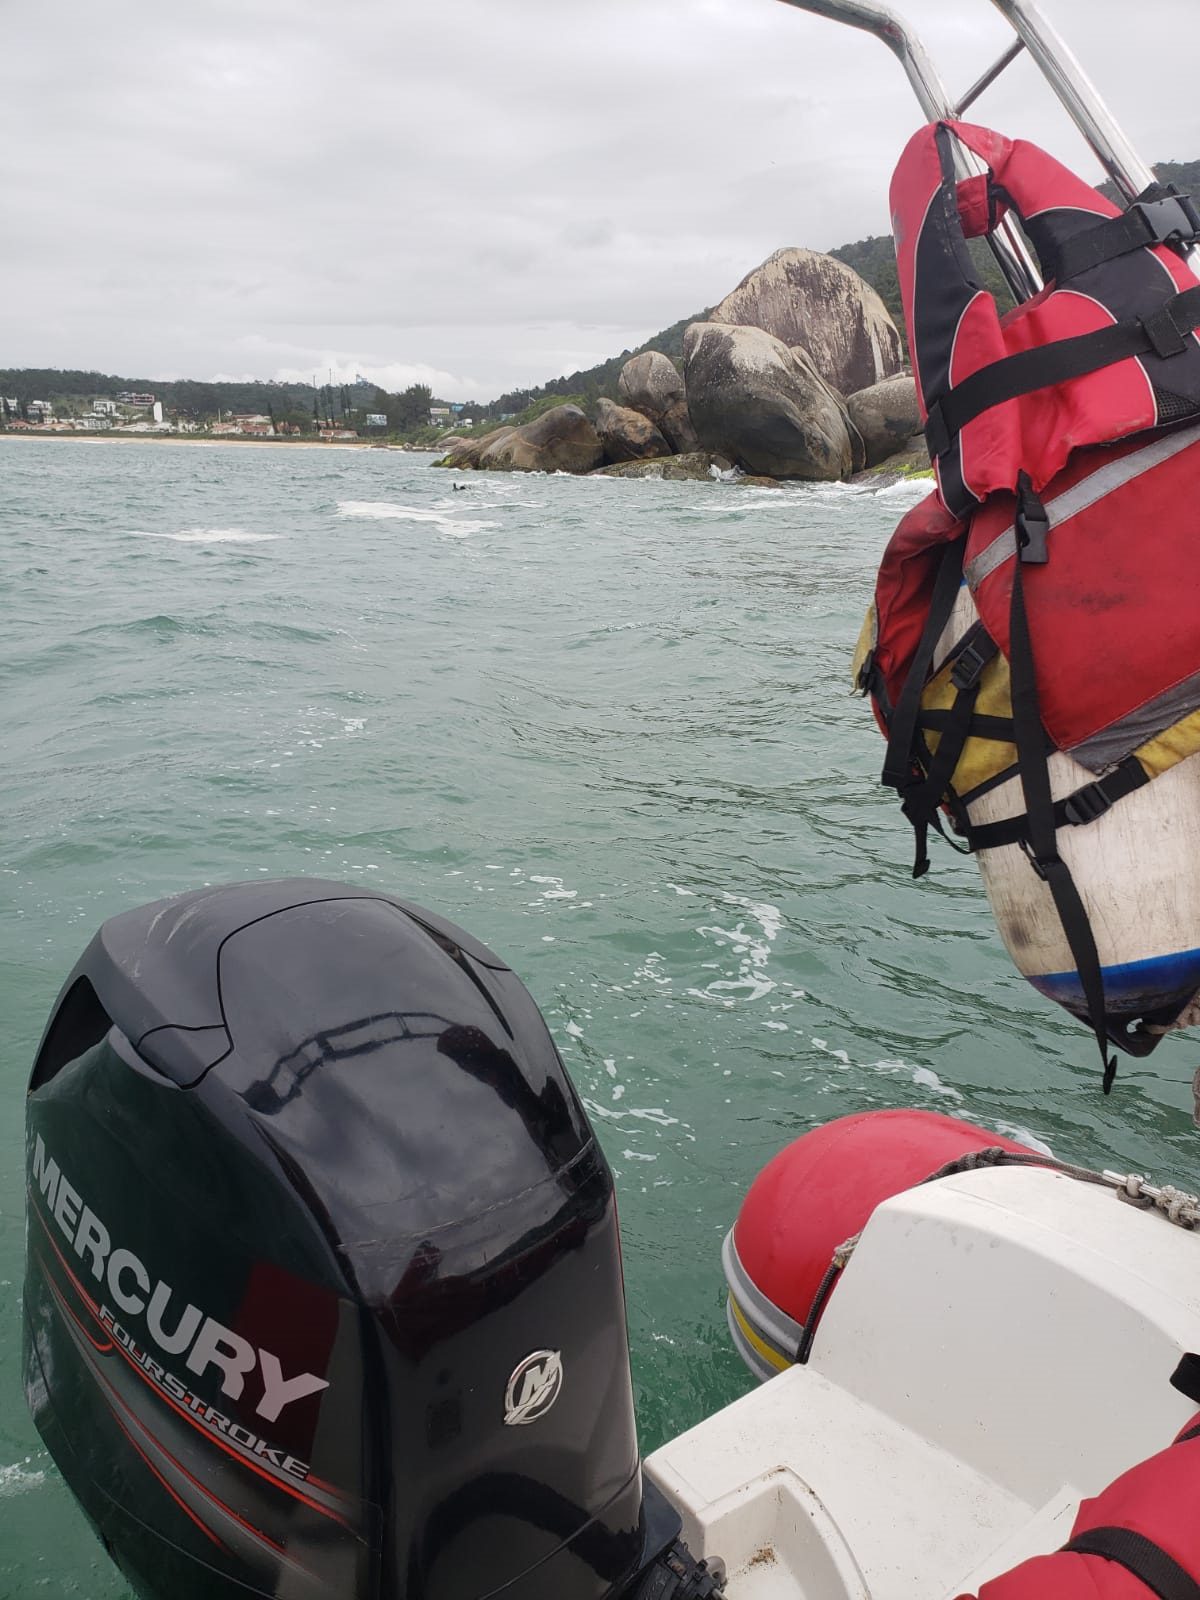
{"points": [[810, 1199]]}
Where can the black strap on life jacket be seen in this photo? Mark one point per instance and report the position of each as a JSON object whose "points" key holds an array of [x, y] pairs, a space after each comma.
{"points": [[1029, 736], [1148, 1562], [982, 727], [1164, 333], [1159, 215], [1083, 806], [899, 771], [922, 800]]}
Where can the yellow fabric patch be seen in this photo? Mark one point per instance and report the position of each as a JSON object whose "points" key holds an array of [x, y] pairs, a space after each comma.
{"points": [[981, 759], [984, 759], [868, 638], [1173, 745]]}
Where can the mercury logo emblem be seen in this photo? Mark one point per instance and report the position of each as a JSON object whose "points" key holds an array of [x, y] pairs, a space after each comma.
{"points": [[533, 1387]]}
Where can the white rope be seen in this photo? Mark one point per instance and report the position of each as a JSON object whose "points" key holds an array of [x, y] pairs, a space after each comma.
{"points": [[1176, 1205]]}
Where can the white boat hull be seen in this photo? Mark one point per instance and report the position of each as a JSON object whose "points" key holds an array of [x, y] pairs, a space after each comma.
{"points": [[998, 1348]]}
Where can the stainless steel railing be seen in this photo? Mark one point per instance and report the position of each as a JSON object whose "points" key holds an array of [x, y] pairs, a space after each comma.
{"points": [[1058, 66]]}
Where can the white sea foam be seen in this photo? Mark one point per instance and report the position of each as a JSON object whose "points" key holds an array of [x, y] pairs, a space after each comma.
{"points": [[208, 536], [556, 890], [18, 1479], [654, 1114], [920, 1076], [389, 511], [927, 1078], [751, 947]]}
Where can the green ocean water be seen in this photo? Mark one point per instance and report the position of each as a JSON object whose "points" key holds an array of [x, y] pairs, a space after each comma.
{"points": [[605, 726]]}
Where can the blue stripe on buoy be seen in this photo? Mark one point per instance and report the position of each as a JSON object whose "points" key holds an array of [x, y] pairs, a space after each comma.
{"points": [[1132, 988]]}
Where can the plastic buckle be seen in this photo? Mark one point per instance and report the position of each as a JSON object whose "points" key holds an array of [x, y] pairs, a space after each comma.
{"points": [[1171, 220], [1033, 526], [1085, 805], [967, 668]]}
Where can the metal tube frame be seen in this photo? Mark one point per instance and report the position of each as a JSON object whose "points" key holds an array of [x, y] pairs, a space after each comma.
{"points": [[1057, 64], [1009, 248], [1078, 95]]}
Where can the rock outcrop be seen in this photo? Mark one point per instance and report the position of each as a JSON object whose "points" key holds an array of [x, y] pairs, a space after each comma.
{"points": [[693, 465], [560, 440], [753, 399], [809, 299], [887, 416], [465, 453], [650, 383], [626, 434]]}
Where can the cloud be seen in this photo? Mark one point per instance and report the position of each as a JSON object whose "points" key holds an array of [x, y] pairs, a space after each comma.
{"points": [[484, 194]]}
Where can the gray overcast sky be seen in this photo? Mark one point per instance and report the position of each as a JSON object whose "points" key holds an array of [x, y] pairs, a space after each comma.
{"points": [[477, 194]]}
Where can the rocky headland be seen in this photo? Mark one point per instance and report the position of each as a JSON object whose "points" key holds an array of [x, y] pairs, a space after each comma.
{"points": [[797, 374]]}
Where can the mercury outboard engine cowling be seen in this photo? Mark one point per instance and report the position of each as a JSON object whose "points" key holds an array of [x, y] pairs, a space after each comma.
{"points": [[323, 1290]]}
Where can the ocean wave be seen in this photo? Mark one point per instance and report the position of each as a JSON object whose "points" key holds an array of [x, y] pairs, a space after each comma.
{"points": [[904, 489], [207, 535], [389, 511]]}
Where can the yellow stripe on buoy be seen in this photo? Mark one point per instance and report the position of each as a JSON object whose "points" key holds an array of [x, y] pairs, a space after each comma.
{"points": [[768, 1352]]}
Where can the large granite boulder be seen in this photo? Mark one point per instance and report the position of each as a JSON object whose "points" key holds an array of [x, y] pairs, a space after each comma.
{"points": [[465, 453], [858, 450], [650, 383], [626, 434], [692, 466], [817, 301], [887, 416], [755, 400], [560, 440]]}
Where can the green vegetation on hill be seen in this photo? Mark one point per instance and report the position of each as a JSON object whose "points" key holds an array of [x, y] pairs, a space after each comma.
{"points": [[1185, 175], [517, 419], [193, 399]]}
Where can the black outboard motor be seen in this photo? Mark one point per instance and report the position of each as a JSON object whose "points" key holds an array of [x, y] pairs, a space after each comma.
{"points": [[323, 1289]]}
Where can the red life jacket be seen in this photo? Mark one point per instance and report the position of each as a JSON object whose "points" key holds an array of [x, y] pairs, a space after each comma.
{"points": [[1106, 350], [1066, 443], [1139, 1538]]}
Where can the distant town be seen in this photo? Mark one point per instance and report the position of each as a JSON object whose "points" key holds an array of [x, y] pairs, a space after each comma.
{"points": [[53, 402]]}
